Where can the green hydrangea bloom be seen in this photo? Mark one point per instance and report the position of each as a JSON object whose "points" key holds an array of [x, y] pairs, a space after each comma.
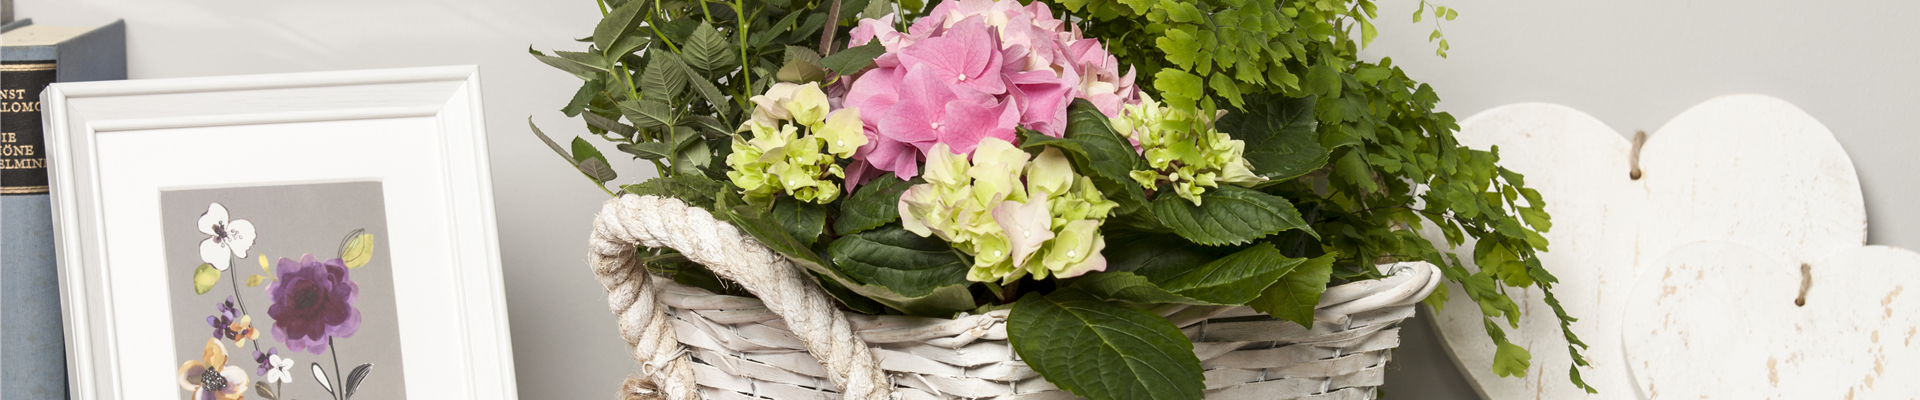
{"points": [[1188, 162], [795, 145], [1009, 212]]}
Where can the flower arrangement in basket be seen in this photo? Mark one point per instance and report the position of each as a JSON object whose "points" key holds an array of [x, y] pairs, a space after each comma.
{"points": [[1099, 179]]}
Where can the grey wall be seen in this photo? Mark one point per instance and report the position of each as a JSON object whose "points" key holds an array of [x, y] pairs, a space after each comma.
{"points": [[1633, 64]]}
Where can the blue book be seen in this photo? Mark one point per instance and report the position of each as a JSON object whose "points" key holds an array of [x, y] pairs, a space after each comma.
{"points": [[33, 356]]}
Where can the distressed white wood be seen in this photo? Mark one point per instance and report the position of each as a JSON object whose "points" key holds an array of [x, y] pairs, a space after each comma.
{"points": [[1718, 320], [1749, 169]]}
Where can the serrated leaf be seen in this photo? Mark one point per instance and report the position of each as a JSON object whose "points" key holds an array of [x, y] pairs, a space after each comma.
{"points": [[691, 159], [550, 143], [1131, 288], [598, 170], [900, 260], [1180, 88], [649, 114], [1103, 351], [626, 45], [204, 276], [608, 124], [853, 59], [661, 81], [1228, 215], [700, 84], [1158, 254], [578, 69], [695, 190], [619, 22], [942, 302], [1353, 169], [1294, 297], [1096, 151], [647, 150], [354, 378], [1281, 143], [1511, 360], [803, 219], [709, 49], [1234, 279], [875, 204], [798, 70]]}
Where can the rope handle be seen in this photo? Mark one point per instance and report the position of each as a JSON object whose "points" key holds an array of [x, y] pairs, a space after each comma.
{"points": [[665, 371]]}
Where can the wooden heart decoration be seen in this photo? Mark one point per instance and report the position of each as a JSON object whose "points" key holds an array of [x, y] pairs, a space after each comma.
{"points": [[1721, 320], [1747, 169]]}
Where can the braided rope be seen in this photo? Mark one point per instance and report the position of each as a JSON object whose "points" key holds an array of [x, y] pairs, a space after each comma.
{"points": [[655, 222]]}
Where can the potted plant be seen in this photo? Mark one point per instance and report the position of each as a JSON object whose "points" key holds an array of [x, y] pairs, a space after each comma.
{"points": [[1086, 186]]}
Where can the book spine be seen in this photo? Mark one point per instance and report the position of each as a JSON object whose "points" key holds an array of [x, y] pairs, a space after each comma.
{"points": [[32, 342]]}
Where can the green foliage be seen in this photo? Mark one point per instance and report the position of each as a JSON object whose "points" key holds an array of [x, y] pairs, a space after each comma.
{"points": [[1096, 151], [1294, 297], [1234, 279], [894, 258], [1228, 215], [1101, 350], [872, 205], [1373, 149]]}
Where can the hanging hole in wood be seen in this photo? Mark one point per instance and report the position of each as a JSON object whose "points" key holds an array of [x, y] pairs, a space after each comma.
{"points": [[1806, 281], [1633, 160]]}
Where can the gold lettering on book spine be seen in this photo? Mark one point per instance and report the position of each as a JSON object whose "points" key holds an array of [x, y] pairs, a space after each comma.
{"points": [[26, 67]]}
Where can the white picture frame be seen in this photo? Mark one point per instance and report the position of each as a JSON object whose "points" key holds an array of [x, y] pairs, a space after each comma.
{"points": [[419, 131]]}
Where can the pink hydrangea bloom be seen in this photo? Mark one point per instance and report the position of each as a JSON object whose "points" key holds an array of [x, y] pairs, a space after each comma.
{"points": [[969, 70]]}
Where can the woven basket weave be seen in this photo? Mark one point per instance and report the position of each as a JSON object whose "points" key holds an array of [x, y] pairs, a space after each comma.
{"points": [[741, 348]]}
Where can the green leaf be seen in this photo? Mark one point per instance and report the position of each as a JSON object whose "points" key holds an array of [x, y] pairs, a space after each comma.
{"points": [[204, 277], [709, 49], [853, 59], [649, 114], [696, 190], [941, 302], [256, 280], [803, 219], [1323, 80], [875, 204], [585, 71], [1103, 351], [899, 260], [1511, 360], [1230, 215], [1158, 254], [1234, 279], [619, 22], [1180, 88], [700, 84], [1280, 137], [1297, 293], [1353, 168], [647, 150], [591, 162], [357, 249], [660, 81], [1097, 152], [608, 124], [798, 70], [550, 143], [1131, 288], [598, 170]]}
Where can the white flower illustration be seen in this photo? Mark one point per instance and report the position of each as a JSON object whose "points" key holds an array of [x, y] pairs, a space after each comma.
{"points": [[229, 238], [282, 370]]}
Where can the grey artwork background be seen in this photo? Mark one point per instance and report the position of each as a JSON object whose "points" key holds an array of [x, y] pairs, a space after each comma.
{"points": [[288, 220]]}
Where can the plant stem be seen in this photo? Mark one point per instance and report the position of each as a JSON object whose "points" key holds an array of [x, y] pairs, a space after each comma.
{"points": [[232, 277], [339, 386], [833, 26], [746, 64]]}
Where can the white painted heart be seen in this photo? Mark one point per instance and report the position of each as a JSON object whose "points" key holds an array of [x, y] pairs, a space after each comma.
{"points": [[1715, 320], [1746, 169]]}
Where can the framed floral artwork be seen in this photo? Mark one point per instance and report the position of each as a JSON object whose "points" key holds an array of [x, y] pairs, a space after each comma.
{"points": [[282, 237]]}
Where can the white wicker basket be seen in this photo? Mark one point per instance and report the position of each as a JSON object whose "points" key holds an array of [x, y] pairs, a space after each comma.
{"points": [[794, 345]]}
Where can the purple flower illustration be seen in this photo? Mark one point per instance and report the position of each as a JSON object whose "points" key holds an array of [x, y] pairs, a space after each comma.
{"points": [[312, 302], [223, 319], [265, 360]]}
